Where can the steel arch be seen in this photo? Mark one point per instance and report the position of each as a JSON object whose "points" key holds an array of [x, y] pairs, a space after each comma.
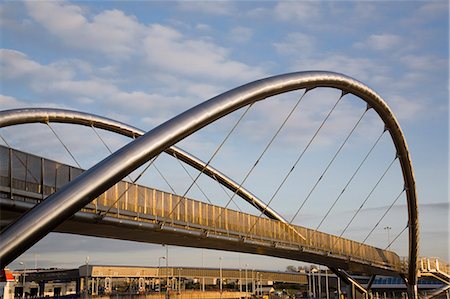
{"points": [[35, 224], [44, 115]]}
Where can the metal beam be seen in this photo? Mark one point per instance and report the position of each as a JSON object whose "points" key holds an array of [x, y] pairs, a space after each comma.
{"points": [[42, 219], [349, 280], [43, 115]]}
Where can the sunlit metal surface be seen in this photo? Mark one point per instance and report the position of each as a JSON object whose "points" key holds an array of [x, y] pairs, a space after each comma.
{"points": [[44, 115], [31, 179], [60, 206]]}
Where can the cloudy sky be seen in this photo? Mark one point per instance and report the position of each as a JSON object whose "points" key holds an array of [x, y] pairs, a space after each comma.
{"points": [[143, 62]]}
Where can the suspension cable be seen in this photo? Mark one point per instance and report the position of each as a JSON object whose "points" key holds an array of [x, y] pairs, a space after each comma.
{"points": [[351, 179], [226, 192], [212, 157], [165, 179], [382, 217], [266, 148], [314, 136], [63, 144], [4, 140], [368, 196], [192, 178], [101, 139], [396, 237], [295, 164], [24, 164]]}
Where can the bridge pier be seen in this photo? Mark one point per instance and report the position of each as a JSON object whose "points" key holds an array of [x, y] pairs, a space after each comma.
{"points": [[412, 291]]}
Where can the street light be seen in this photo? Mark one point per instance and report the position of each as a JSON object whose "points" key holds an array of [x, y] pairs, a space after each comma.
{"points": [[167, 268], [312, 271], [159, 278], [257, 283], [220, 272], [246, 280], [23, 278], [179, 281], [388, 228]]}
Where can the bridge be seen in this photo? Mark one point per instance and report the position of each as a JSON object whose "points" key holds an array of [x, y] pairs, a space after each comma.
{"points": [[96, 202], [144, 215]]}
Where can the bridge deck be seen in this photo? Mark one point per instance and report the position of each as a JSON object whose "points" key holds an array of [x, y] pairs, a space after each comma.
{"points": [[26, 179]]}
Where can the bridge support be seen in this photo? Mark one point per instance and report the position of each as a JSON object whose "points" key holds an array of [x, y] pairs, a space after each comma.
{"points": [[352, 283], [410, 288]]}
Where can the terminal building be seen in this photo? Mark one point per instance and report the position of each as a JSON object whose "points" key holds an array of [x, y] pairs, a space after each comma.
{"points": [[104, 280]]}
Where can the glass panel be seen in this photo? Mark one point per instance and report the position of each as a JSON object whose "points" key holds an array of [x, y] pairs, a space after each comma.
{"points": [[49, 177]]}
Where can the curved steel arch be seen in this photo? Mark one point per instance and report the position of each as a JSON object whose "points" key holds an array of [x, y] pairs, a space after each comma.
{"points": [[42, 219], [44, 115]]}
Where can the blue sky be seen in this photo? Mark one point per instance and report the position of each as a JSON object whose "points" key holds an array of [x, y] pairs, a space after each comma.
{"points": [[143, 62]]}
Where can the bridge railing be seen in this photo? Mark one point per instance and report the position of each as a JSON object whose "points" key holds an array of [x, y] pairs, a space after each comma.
{"points": [[25, 176], [434, 264]]}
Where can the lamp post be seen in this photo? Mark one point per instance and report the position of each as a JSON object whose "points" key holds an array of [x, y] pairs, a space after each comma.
{"points": [[23, 278], [313, 270], [167, 268], [220, 272], [246, 281], [203, 272], [388, 228], [240, 279], [35, 260], [179, 281], [257, 283], [157, 274]]}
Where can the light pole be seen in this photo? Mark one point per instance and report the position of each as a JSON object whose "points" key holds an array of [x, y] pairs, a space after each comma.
{"points": [[240, 279], [261, 285], [257, 283], [23, 278], [246, 281], [388, 228], [35, 260], [157, 274], [320, 283], [253, 281], [313, 270], [167, 268], [220, 273], [203, 272], [179, 281]]}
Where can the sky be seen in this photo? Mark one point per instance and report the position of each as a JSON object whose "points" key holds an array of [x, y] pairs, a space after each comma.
{"points": [[144, 62]]}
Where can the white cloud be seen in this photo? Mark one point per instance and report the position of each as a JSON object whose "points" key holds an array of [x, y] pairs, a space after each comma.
{"points": [[16, 64], [297, 10], [295, 43], [8, 102], [405, 108], [208, 7], [172, 52], [381, 42], [110, 32], [203, 27], [241, 34], [118, 35], [424, 63]]}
